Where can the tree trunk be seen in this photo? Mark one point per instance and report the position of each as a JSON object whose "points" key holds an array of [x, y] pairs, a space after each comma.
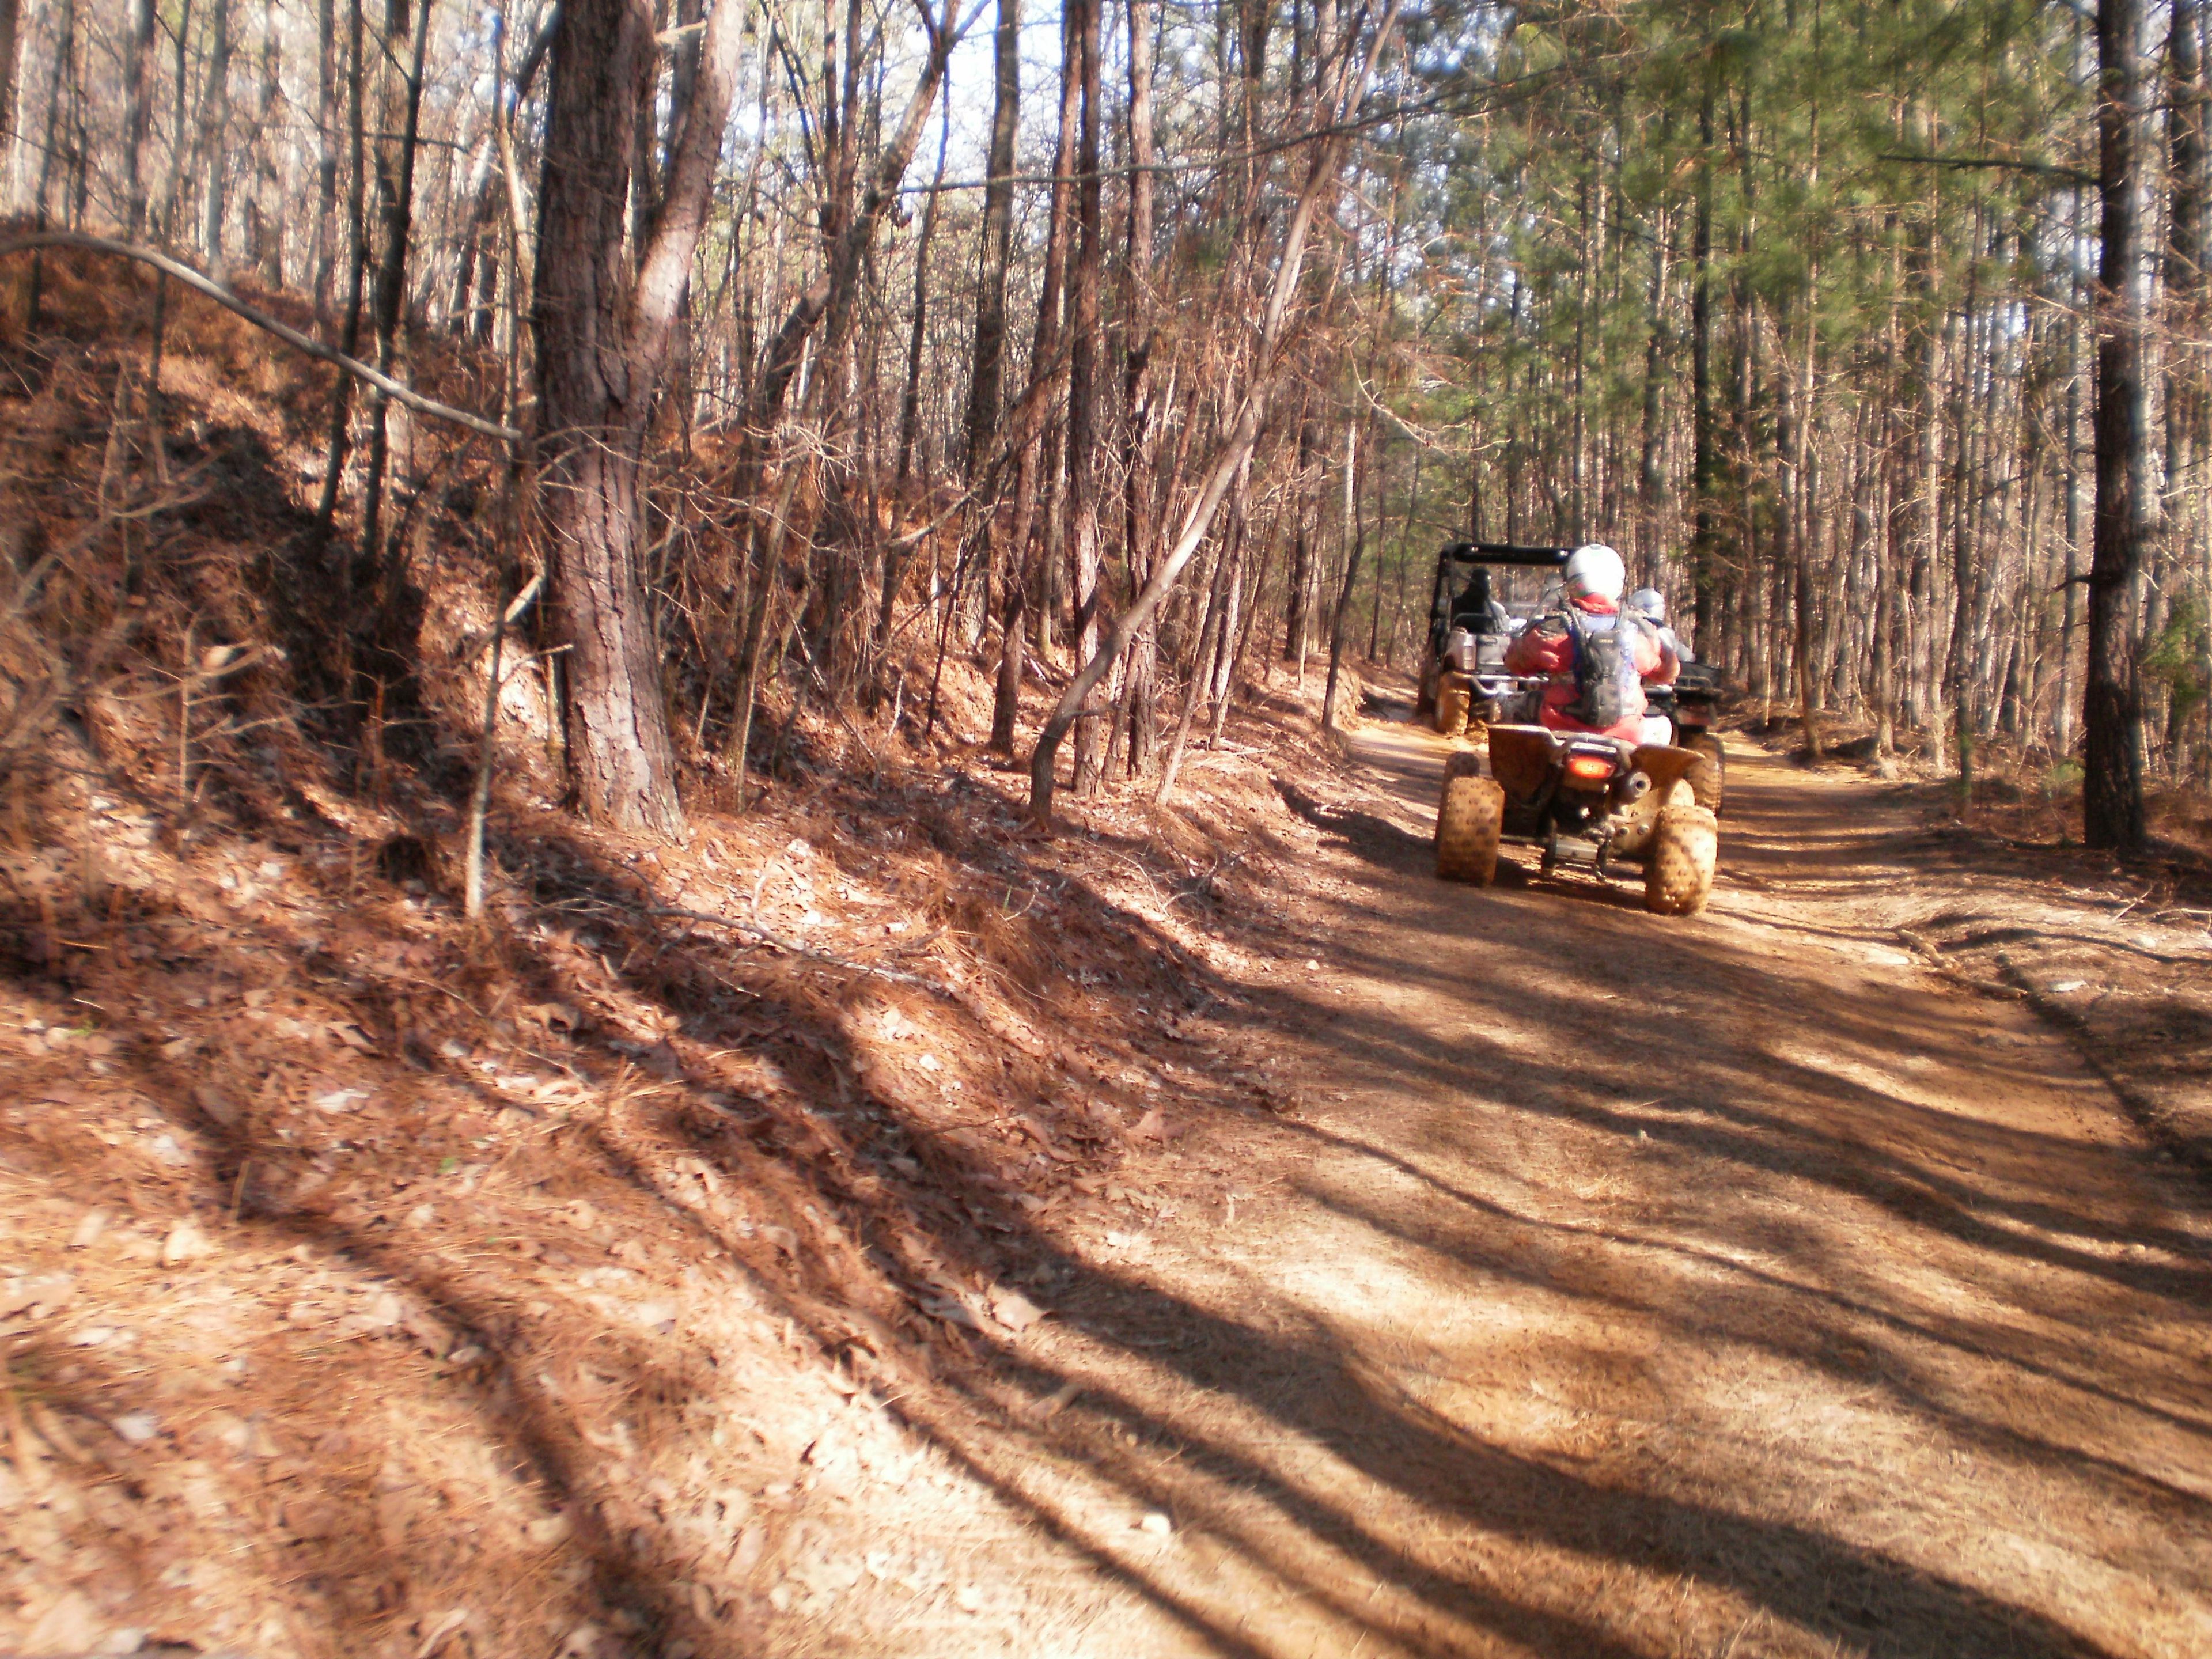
{"points": [[917, 335], [1030, 464], [61, 74], [319, 537], [396, 193], [217, 136], [1352, 551], [2111, 710], [1083, 295], [604, 325], [1228, 603], [326, 159], [2187, 415], [1140, 530], [268, 249], [1705, 466], [990, 345], [138, 90], [1297, 624], [11, 22], [1959, 665], [891, 567]]}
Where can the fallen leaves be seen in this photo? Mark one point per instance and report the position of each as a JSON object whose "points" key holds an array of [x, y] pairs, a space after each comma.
{"points": [[1013, 1310], [31, 1290], [137, 1427]]}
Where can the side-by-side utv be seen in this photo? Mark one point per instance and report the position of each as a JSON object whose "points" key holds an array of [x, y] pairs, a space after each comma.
{"points": [[1463, 674]]}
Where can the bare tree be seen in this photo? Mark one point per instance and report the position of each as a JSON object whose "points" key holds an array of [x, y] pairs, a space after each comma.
{"points": [[139, 92], [1141, 526], [10, 21], [1084, 28], [604, 327], [1353, 70], [1044, 371], [215, 135], [2111, 711]]}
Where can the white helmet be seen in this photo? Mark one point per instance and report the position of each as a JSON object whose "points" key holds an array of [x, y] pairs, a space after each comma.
{"points": [[1595, 571], [1648, 603]]}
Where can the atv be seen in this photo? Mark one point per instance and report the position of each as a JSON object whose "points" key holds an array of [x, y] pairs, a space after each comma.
{"points": [[1463, 678], [1689, 706], [1585, 798]]}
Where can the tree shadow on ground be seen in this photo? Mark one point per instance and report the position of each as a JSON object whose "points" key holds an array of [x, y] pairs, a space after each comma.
{"points": [[1387, 1517]]}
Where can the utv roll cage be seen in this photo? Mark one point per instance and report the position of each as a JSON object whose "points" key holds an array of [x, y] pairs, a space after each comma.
{"points": [[1460, 596]]}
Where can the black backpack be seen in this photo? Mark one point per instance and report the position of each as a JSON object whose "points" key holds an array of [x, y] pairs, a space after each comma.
{"points": [[1609, 688]]}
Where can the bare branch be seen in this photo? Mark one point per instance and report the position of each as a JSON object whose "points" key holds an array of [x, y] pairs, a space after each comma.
{"points": [[398, 391]]}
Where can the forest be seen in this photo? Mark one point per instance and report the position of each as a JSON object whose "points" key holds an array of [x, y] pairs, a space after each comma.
{"points": [[1142, 353]]}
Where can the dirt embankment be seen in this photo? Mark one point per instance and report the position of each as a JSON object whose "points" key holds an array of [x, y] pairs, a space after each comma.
{"points": [[377, 1282], [365, 1270]]}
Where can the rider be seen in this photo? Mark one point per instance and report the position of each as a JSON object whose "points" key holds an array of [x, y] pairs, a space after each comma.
{"points": [[1650, 604], [1587, 632]]}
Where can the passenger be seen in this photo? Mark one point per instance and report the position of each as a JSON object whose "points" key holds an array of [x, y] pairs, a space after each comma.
{"points": [[1650, 604]]}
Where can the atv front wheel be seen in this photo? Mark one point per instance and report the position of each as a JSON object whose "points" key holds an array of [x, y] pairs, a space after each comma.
{"points": [[1706, 781], [1452, 703], [1469, 820], [1678, 871]]}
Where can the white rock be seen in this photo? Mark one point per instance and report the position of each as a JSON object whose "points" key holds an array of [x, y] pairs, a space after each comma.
{"points": [[70, 1625], [547, 1529], [186, 1243], [137, 1427]]}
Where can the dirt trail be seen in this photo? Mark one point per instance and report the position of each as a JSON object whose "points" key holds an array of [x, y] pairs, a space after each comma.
{"points": [[1636, 1286]]}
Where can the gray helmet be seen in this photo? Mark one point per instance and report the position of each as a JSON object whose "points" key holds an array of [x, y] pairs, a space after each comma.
{"points": [[1650, 604]]}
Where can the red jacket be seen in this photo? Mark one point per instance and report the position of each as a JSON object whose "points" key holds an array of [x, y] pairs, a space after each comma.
{"points": [[1547, 647]]}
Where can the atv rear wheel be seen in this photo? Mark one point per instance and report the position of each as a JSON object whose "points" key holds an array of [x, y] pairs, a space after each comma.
{"points": [[1706, 781], [1459, 763], [1469, 820], [1452, 703], [1678, 871]]}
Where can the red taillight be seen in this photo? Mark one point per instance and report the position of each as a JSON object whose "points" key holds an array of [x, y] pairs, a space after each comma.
{"points": [[1594, 767]]}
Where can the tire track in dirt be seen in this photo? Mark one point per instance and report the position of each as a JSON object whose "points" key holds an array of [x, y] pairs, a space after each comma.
{"points": [[1632, 1286]]}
